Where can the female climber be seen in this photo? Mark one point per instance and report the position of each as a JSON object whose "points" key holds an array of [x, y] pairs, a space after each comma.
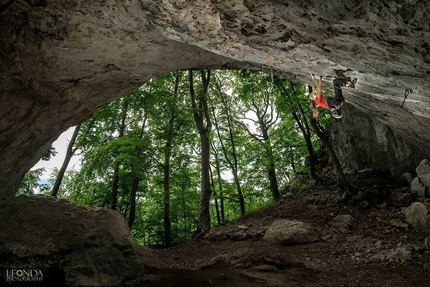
{"points": [[329, 103]]}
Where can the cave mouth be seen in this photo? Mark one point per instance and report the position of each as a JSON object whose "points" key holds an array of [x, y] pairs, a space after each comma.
{"points": [[124, 145]]}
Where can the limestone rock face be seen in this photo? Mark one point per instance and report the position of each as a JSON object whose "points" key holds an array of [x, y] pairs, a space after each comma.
{"points": [[61, 61], [70, 244]]}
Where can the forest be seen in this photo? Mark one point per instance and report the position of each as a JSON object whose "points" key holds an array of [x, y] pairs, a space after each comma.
{"points": [[190, 150]]}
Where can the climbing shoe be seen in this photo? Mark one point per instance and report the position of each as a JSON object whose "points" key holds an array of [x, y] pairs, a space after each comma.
{"points": [[351, 83]]}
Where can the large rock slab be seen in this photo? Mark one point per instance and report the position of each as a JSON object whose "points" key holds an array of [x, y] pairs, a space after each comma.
{"points": [[284, 231], [362, 142], [70, 244]]}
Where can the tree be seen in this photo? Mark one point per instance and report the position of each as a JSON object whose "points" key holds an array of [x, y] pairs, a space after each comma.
{"points": [[217, 210], [199, 104], [136, 171], [70, 152], [233, 159], [301, 117], [258, 99], [31, 183], [167, 112], [220, 208], [115, 180]]}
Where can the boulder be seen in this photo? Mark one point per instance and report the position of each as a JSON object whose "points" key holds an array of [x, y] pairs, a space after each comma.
{"points": [[427, 243], [406, 178], [417, 216], [284, 231], [401, 197], [417, 187], [400, 254], [70, 244], [423, 172], [343, 221]]}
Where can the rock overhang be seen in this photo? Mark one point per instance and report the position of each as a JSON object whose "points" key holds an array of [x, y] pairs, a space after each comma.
{"points": [[63, 61]]}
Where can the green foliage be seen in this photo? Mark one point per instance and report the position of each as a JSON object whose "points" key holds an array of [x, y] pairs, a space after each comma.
{"points": [[32, 184], [50, 152], [133, 136]]}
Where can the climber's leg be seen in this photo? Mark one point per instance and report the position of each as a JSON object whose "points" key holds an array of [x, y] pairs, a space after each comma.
{"points": [[338, 83]]}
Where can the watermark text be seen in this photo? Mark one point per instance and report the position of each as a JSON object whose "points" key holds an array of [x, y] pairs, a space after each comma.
{"points": [[29, 275]]}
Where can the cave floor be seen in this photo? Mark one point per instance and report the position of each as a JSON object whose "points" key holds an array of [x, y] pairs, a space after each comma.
{"points": [[378, 250]]}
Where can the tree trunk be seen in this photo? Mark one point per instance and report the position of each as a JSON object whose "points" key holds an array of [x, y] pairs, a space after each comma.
{"points": [[218, 216], [232, 163], [239, 192], [132, 215], [69, 154], [303, 125], [307, 135], [204, 224], [135, 186], [115, 180], [114, 191], [293, 165], [167, 223], [273, 182], [221, 198], [271, 170], [220, 187], [220, 207], [201, 117], [184, 214]]}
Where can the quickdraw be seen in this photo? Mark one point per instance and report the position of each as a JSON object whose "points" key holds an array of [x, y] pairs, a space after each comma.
{"points": [[407, 92]]}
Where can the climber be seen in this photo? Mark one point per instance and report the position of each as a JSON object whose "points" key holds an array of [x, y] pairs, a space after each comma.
{"points": [[329, 103]]}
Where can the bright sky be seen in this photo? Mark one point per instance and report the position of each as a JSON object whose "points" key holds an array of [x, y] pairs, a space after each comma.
{"points": [[61, 146]]}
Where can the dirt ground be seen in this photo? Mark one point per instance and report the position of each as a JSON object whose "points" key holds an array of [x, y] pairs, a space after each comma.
{"points": [[379, 249]]}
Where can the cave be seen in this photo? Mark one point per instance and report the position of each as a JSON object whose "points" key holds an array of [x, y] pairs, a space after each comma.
{"points": [[61, 61]]}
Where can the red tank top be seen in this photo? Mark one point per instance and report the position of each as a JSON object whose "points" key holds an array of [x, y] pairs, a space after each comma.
{"points": [[321, 102]]}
